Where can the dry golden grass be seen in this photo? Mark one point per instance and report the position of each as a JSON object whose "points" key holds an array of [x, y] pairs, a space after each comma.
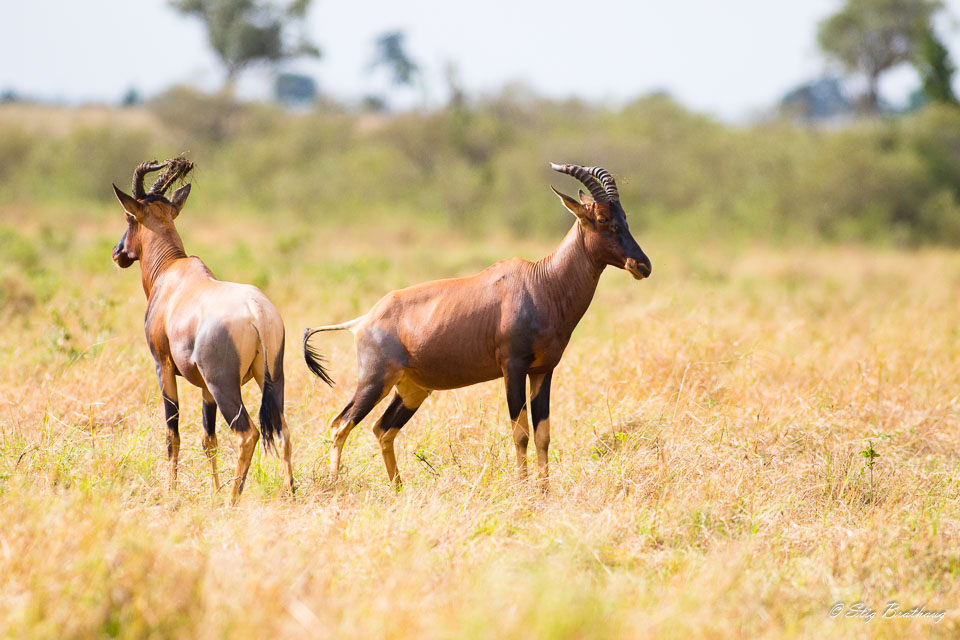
{"points": [[58, 120], [706, 471]]}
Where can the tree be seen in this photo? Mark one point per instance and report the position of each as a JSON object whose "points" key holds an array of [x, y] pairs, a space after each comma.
{"points": [[244, 32], [935, 68], [872, 36], [392, 54], [131, 98]]}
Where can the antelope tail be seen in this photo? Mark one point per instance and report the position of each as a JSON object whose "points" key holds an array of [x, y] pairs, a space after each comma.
{"points": [[271, 422], [315, 361], [343, 326]]}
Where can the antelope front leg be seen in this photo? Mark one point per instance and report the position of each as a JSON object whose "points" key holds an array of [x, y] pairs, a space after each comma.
{"points": [[171, 410], [521, 438], [540, 409], [210, 436], [516, 381]]}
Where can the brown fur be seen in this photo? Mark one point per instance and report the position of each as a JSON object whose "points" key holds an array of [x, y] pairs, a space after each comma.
{"points": [[512, 320], [217, 335]]}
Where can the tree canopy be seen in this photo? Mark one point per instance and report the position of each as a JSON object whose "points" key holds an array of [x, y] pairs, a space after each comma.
{"points": [[872, 36], [935, 68], [244, 32], [392, 54]]}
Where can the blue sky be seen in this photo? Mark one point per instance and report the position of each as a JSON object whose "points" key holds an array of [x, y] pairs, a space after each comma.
{"points": [[729, 59]]}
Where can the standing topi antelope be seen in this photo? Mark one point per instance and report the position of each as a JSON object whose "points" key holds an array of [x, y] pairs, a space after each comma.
{"points": [[215, 334], [511, 320]]}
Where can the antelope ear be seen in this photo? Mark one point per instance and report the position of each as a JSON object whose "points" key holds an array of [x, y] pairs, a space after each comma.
{"points": [[130, 205], [584, 198], [179, 199], [574, 207]]}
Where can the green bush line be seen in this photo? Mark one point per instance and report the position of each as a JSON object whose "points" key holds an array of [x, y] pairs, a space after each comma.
{"points": [[894, 181]]}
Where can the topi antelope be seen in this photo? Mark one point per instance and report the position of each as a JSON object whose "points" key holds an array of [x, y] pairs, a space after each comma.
{"points": [[215, 334], [512, 320]]}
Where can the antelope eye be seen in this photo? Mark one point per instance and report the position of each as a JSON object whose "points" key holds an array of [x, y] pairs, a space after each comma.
{"points": [[603, 220]]}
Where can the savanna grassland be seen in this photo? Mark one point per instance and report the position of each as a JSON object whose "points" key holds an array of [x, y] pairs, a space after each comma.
{"points": [[708, 426]]}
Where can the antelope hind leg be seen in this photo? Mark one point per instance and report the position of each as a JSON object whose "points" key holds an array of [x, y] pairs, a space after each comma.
{"points": [[227, 396], [404, 404], [287, 453], [355, 411]]}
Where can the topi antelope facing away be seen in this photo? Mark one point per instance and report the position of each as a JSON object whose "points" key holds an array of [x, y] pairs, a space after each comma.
{"points": [[512, 320], [215, 334]]}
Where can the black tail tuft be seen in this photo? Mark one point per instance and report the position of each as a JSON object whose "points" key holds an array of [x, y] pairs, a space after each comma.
{"points": [[315, 360], [271, 425]]}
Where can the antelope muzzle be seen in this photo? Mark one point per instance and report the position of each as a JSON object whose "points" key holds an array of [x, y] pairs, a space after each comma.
{"points": [[638, 268], [120, 255]]}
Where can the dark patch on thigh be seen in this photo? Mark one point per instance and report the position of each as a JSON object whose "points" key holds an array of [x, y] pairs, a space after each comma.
{"points": [[217, 356], [371, 365], [524, 330], [380, 357], [219, 363], [376, 348]]}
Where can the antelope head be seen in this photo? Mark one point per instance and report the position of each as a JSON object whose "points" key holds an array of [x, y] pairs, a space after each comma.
{"points": [[607, 236], [150, 212]]}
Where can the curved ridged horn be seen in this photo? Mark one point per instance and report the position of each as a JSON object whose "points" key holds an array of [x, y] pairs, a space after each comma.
{"points": [[176, 169], [608, 183], [599, 193], [142, 169]]}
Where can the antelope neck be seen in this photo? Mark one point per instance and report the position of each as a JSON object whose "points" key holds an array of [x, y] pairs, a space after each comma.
{"points": [[159, 252], [570, 276]]}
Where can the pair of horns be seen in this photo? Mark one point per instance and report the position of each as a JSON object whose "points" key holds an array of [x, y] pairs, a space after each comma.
{"points": [[175, 169], [597, 179]]}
